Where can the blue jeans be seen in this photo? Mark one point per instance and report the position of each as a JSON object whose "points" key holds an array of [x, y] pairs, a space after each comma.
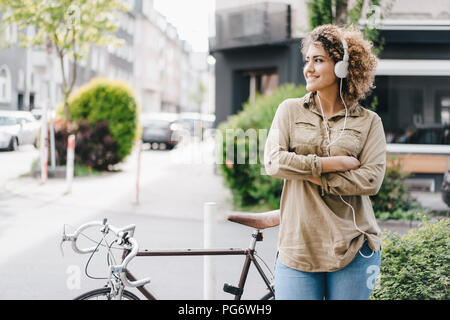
{"points": [[354, 282]]}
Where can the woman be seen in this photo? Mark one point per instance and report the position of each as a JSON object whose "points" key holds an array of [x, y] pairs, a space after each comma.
{"points": [[331, 153]]}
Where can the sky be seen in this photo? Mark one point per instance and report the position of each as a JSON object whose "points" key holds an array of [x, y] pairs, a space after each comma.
{"points": [[191, 18]]}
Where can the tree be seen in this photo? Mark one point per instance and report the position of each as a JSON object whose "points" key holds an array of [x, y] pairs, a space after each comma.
{"points": [[320, 12], [198, 96], [2, 33], [339, 13], [69, 26]]}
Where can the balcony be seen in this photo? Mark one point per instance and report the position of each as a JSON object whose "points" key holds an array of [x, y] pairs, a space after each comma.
{"points": [[252, 25]]}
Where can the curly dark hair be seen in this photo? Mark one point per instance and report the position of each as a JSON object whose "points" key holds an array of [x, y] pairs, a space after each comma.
{"points": [[362, 62]]}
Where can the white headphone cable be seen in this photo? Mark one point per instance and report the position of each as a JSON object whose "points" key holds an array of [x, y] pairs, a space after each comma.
{"points": [[326, 120], [328, 152]]}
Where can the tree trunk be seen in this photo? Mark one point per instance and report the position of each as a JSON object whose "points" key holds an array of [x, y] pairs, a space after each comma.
{"points": [[66, 108], [341, 12]]}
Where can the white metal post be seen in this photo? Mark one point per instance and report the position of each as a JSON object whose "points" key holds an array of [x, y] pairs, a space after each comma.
{"points": [[209, 267], [70, 162], [138, 173], [44, 146], [50, 103], [52, 142]]}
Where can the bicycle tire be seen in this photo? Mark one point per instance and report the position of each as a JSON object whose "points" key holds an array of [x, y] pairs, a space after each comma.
{"points": [[268, 296], [104, 294]]}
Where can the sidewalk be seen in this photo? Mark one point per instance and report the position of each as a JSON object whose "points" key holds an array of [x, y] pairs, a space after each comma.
{"points": [[430, 200], [173, 184]]}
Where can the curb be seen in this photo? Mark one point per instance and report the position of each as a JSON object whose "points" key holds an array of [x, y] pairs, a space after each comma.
{"points": [[403, 224]]}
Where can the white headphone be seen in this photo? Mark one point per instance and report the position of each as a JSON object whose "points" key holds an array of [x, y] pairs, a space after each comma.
{"points": [[341, 67], [341, 71]]}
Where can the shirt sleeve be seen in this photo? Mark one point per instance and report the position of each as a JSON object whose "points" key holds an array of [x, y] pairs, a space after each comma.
{"points": [[279, 162], [367, 179]]}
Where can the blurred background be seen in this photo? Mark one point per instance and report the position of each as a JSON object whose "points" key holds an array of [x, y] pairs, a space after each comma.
{"points": [[146, 86], [174, 55]]}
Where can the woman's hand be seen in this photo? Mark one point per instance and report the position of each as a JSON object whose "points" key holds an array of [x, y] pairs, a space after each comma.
{"points": [[339, 163], [336, 163], [349, 163], [315, 180]]}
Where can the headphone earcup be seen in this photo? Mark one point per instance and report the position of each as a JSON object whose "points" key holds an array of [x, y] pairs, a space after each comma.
{"points": [[341, 69]]}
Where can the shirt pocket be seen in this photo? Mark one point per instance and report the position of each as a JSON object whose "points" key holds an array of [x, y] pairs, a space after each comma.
{"points": [[349, 144], [305, 137]]}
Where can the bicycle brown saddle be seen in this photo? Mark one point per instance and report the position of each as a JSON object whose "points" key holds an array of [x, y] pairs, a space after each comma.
{"points": [[262, 220]]}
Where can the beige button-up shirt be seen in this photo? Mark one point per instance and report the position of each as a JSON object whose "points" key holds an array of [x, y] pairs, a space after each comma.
{"points": [[317, 231]]}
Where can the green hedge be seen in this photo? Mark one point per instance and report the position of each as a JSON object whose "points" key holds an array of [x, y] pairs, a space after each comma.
{"points": [[416, 265], [393, 201], [112, 101], [250, 188]]}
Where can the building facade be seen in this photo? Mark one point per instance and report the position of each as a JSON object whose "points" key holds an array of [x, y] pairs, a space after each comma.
{"points": [[149, 48], [21, 74], [257, 48], [413, 87], [32, 77], [153, 60]]}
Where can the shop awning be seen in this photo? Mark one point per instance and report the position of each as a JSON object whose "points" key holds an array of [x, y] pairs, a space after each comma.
{"points": [[398, 67]]}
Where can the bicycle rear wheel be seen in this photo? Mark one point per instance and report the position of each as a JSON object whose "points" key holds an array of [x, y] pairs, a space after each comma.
{"points": [[105, 294]]}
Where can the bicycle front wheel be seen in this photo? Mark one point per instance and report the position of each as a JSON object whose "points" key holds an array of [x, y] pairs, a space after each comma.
{"points": [[105, 294], [268, 296]]}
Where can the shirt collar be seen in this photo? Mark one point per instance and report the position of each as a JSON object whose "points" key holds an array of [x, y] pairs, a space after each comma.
{"points": [[354, 110]]}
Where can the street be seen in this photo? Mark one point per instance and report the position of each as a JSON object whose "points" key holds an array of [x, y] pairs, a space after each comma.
{"points": [[13, 164], [174, 185]]}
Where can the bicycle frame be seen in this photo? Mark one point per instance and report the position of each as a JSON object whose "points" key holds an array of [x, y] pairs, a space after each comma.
{"points": [[237, 292]]}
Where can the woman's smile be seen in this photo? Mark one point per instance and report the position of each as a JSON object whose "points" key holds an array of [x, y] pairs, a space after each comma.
{"points": [[312, 78]]}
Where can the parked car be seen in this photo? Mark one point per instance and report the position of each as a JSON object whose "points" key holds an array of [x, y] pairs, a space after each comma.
{"points": [[445, 189], [17, 128], [196, 123], [160, 130]]}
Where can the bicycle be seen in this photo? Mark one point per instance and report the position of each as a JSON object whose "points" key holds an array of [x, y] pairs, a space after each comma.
{"points": [[119, 276]]}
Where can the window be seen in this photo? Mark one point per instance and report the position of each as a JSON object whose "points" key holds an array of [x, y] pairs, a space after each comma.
{"points": [[147, 7], [442, 107], [21, 80], [262, 82], [101, 61], [7, 121], [445, 112], [32, 82], [5, 84], [415, 109], [94, 59], [11, 34]]}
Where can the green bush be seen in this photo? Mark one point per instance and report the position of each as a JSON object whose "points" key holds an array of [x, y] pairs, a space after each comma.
{"points": [[111, 101], [415, 266], [400, 214], [248, 185], [393, 201], [95, 147]]}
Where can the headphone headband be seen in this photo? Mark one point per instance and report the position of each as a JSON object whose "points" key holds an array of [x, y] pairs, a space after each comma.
{"points": [[344, 44], [341, 67]]}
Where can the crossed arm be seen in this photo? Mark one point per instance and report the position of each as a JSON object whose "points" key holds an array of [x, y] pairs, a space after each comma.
{"points": [[336, 164], [338, 175]]}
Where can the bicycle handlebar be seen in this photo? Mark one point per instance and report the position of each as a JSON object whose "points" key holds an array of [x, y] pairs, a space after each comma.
{"points": [[123, 266], [120, 233]]}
